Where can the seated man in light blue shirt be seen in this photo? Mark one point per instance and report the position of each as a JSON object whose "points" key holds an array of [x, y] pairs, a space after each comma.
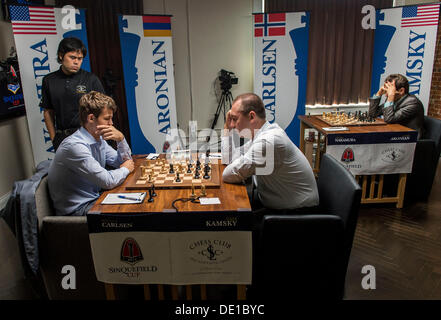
{"points": [[77, 174]]}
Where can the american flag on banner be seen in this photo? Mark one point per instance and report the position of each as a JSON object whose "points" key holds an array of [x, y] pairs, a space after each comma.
{"points": [[417, 16], [270, 24], [32, 20]]}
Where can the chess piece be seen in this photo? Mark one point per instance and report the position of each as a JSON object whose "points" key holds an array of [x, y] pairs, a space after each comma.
{"points": [[153, 190], [206, 176], [150, 178], [150, 196], [177, 177], [203, 192], [171, 168], [143, 172], [198, 165], [196, 174], [189, 168]]}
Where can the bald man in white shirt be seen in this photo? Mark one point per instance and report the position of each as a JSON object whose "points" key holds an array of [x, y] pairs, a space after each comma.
{"points": [[279, 170]]}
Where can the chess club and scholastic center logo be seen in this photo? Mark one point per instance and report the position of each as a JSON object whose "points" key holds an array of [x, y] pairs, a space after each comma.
{"points": [[348, 155], [211, 251], [392, 155]]}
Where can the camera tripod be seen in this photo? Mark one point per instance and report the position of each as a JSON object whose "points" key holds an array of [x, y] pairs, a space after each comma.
{"points": [[225, 102]]}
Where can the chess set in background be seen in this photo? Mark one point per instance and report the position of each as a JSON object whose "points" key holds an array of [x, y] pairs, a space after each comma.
{"points": [[357, 118]]}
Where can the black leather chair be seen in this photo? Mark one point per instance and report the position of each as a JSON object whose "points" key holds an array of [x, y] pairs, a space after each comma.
{"points": [[427, 152], [306, 255]]}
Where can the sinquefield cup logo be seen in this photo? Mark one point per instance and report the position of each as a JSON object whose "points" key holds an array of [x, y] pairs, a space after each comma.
{"points": [[131, 252], [348, 155]]}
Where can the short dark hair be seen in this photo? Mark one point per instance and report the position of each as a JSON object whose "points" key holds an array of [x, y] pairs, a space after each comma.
{"points": [[400, 81], [251, 102], [93, 103], [68, 45]]}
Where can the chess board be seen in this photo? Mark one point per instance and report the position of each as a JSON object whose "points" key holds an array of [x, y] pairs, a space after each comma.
{"points": [[349, 121], [158, 173]]}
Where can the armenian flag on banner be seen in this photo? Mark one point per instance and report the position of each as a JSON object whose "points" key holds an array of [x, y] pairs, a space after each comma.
{"points": [[405, 40], [37, 32], [157, 26]]}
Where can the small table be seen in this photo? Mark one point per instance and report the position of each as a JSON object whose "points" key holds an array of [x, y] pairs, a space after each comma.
{"points": [[370, 182], [233, 197]]}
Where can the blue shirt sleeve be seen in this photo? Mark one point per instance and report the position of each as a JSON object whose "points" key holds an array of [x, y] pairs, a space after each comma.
{"points": [[81, 161]]}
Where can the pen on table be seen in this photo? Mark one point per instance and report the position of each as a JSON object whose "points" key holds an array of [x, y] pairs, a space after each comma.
{"points": [[130, 198]]}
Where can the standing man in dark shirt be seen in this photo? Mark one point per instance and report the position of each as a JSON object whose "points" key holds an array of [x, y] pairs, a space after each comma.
{"points": [[62, 90]]}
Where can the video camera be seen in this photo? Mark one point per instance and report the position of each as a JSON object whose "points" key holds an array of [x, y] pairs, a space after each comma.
{"points": [[227, 79]]}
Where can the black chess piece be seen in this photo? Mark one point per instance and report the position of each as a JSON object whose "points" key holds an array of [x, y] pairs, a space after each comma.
{"points": [[198, 165], [171, 168], [150, 196], [153, 191], [196, 174], [206, 176], [207, 167], [189, 168], [177, 177]]}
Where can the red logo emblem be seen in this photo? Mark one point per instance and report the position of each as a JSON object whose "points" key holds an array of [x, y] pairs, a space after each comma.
{"points": [[131, 252], [348, 155]]}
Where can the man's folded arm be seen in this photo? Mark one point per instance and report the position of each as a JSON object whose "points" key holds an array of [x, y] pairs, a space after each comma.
{"points": [[116, 158], [81, 161]]}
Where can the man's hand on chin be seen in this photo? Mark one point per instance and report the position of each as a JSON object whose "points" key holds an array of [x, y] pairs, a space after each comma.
{"points": [[109, 133]]}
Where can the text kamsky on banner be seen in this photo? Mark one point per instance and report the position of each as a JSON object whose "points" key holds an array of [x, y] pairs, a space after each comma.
{"points": [[405, 39], [146, 49], [280, 67], [37, 33]]}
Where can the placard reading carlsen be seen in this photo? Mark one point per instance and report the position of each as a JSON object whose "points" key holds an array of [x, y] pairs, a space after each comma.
{"points": [[405, 39], [280, 65], [37, 33]]}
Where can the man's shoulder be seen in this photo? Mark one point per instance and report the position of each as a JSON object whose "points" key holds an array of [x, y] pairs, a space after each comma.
{"points": [[52, 75]]}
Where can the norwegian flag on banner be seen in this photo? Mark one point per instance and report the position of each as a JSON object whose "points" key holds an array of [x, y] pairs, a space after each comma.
{"points": [[269, 24]]}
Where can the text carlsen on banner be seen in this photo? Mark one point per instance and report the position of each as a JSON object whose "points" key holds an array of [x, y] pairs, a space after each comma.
{"points": [[280, 63]]}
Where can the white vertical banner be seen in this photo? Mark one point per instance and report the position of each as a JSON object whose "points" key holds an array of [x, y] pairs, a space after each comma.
{"points": [[280, 67], [37, 33], [405, 40], [146, 50]]}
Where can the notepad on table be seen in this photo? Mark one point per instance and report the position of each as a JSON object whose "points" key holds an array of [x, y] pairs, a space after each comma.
{"points": [[124, 198], [335, 128]]}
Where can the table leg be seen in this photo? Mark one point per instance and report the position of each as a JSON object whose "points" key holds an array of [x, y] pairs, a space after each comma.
{"points": [[147, 295], [188, 294], [241, 292], [401, 190], [110, 291]]}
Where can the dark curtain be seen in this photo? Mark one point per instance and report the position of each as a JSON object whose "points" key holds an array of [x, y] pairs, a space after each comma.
{"points": [[105, 49], [340, 50]]}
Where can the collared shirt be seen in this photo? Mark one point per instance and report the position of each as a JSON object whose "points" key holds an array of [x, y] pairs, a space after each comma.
{"points": [[283, 176], [77, 174], [61, 93], [386, 104]]}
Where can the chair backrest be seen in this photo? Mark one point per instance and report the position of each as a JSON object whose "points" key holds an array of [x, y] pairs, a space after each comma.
{"points": [[340, 195], [64, 241], [43, 201], [300, 256], [432, 131]]}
